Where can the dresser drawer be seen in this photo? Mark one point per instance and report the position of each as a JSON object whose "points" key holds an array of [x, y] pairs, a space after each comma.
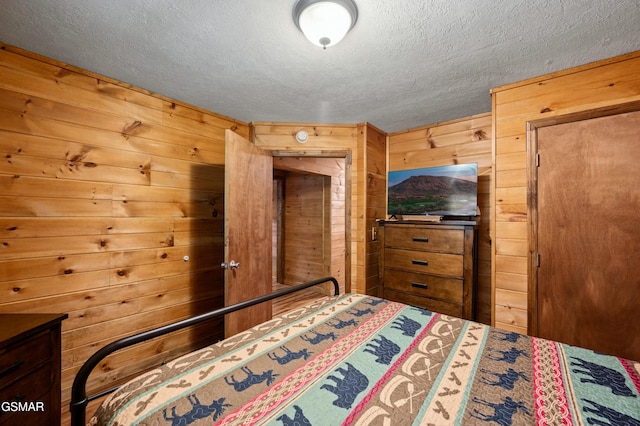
{"points": [[450, 265], [30, 388], [446, 308], [18, 360], [34, 388], [430, 265], [414, 238], [447, 289]]}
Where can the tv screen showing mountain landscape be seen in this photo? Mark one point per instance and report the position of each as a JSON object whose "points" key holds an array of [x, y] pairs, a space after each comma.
{"points": [[442, 191]]}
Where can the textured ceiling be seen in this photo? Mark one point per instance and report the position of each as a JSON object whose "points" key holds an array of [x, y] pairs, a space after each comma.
{"points": [[406, 63]]}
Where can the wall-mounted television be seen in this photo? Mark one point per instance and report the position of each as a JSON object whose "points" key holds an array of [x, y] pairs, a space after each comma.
{"points": [[449, 191]]}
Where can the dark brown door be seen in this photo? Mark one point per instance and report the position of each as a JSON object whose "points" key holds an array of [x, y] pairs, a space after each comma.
{"points": [[588, 233], [248, 214]]}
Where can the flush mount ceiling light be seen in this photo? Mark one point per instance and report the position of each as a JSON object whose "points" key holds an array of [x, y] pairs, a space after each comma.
{"points": [[325, 22]]}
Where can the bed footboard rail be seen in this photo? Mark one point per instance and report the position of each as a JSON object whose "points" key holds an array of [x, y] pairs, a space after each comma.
{"points": [[79, 398]]}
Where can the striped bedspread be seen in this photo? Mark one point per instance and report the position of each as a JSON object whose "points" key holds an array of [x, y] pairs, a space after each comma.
{"points": [[360, 360]]}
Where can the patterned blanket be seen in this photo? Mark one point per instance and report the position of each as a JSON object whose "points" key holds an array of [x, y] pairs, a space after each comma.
{"points": [[361, 360]]}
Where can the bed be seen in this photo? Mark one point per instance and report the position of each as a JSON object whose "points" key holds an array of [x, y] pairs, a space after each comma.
{"points": [[356, 359]]}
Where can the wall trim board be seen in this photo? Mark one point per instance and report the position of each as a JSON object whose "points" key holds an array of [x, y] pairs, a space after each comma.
{"points": [[464, 120], [573, 70]]}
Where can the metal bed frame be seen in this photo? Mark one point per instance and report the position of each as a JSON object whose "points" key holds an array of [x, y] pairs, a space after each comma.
{"points": [[79, 398]]}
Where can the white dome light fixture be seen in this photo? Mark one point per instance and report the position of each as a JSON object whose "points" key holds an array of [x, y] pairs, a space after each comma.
{"points": [[302, 136], [325, 22]]}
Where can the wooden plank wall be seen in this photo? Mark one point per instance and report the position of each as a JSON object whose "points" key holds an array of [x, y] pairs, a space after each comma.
{"points": [[335, 140], [104, 189], [331, 259], [466, 140], [598, 85], [304, 228]]}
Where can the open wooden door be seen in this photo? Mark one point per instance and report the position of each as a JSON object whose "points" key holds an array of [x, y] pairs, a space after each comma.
{"points": [[248, 188]]}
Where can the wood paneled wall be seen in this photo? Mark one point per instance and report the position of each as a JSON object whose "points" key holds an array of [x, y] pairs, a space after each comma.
{"points": [[105, 188], [330, 258], [598, 85], [328, 141], [338, 141], [465, 140], [304, 231]]}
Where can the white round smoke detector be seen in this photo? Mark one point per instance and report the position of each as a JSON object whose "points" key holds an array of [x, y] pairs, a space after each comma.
{"points": [[302, 136]]}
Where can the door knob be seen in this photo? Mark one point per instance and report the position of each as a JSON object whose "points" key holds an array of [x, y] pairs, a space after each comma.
{"points": [[230, 265]]}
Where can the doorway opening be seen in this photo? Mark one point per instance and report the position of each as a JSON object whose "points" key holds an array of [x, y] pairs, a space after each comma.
{"points": [[309, 232]]}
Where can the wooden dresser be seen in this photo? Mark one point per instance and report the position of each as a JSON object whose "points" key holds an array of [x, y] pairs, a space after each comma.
{"points": [[431, 265], [30, 369]]}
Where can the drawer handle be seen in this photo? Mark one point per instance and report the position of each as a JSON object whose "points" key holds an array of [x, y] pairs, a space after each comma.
{"points": [[419, 285], [420, 262], [16, 365], [420, 240]]}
